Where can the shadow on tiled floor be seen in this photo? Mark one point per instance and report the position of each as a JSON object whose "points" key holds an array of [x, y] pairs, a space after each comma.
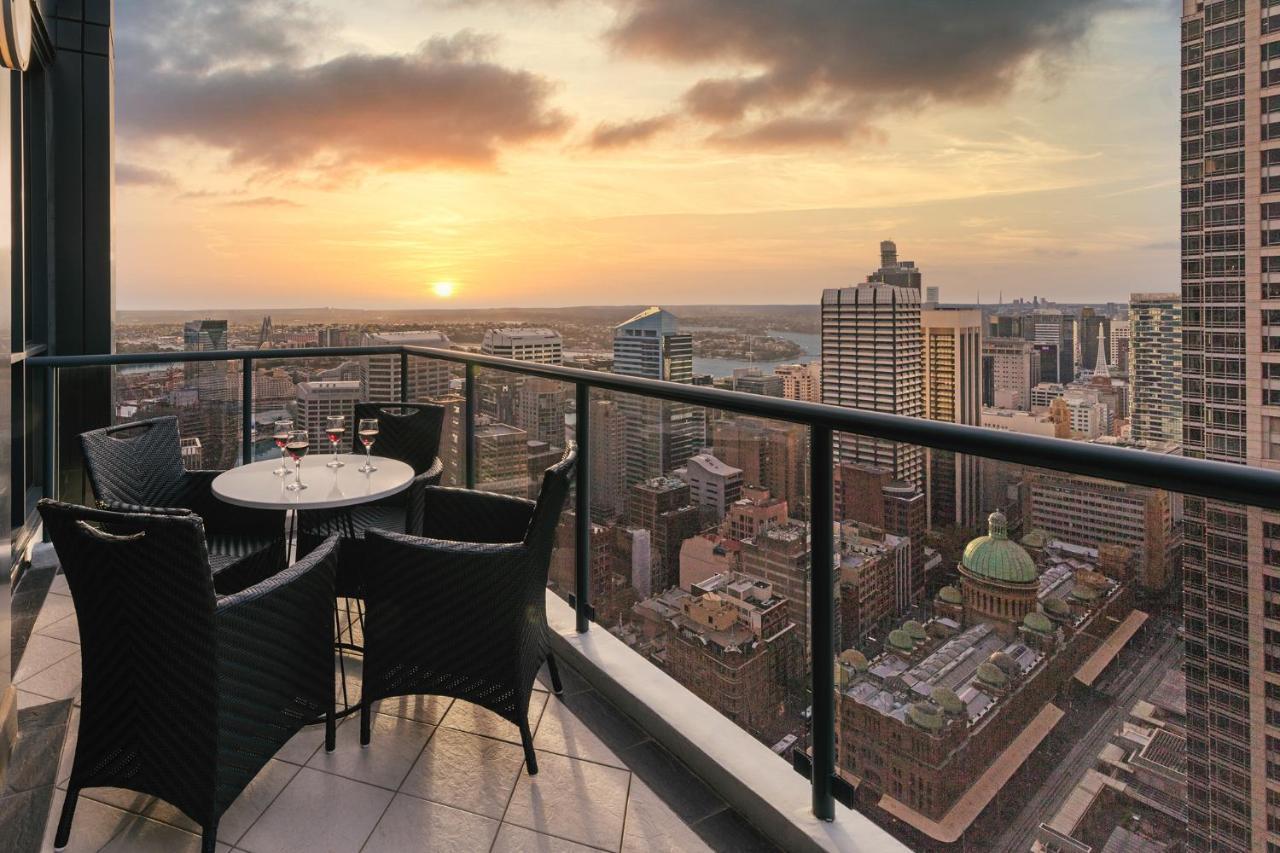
{"points": [[439, 775]]}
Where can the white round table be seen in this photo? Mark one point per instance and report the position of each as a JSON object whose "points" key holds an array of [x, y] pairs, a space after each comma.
{"points": [[254, 485]]}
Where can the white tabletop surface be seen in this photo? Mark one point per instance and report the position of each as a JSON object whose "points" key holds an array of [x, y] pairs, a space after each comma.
{"points": [[255, 486]]}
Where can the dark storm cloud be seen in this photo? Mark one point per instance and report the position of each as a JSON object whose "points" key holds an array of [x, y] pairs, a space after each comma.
{"points": [[824, 71], [245, 85], [622, 134], [857, 53]]}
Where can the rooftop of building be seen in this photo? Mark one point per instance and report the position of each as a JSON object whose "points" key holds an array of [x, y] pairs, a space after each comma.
{"points": [[419, 337], [712, 465], [974, 665], [662, 484], [521, 334]]}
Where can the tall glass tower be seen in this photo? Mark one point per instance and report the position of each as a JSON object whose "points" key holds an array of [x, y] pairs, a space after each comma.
{"points": [[658, 436], [1230, 132]]}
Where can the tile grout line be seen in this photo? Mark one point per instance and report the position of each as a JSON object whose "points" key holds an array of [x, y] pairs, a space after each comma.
{"points": [[254, 822], [626, 811]]}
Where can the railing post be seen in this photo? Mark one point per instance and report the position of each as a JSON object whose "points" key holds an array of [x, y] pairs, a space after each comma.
{"points": [[582, 515], [822, 619], [246, 412], [469, 421], [404, 376]]}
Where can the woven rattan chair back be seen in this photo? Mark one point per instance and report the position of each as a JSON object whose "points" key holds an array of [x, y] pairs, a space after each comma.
{"points": [[556, 484], [409, 432], [144, 602], [137, 463]]}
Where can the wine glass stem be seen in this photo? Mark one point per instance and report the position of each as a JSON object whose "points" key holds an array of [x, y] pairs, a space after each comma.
{"points": [[297, 472]]}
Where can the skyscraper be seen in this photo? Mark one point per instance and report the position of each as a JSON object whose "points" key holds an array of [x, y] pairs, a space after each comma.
{"points": [[1014, 369], [872, 359], [1229, 139], [659, 436], [214, 417], [1120, 335], [893, 271], [953, 393], [1055, 332], [542, 345], [321, 399], [1155, 376], [428, 378]]}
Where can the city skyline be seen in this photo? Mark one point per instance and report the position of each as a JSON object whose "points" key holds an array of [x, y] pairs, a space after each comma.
{"points": [[998, 177]]}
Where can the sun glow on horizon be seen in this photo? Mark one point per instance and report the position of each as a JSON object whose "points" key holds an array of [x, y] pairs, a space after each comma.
{"points": [[444, 289]]}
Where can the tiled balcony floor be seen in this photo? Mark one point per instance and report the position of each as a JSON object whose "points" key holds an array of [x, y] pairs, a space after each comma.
{"points": [[439, 775]]}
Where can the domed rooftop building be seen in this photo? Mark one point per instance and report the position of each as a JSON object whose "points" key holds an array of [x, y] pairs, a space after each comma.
{"points": [[999, 581]]}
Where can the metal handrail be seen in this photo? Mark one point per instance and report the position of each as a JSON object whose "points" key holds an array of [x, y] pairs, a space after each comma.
{"points": [[1209, 479], [1204, 478]]}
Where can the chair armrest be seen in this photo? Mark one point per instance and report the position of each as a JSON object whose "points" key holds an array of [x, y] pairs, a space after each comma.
{"points": [[416, 504], [275, 665], [196, 492], [462, 515]]}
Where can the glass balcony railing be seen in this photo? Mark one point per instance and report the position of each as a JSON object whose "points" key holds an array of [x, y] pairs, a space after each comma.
{"points": [[1002, 609]]}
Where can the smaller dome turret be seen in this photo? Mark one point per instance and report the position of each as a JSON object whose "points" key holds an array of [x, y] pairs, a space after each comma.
{"points": [[926, 715], [901, 640], [1037, 622], [991, 675], [946, 699]]}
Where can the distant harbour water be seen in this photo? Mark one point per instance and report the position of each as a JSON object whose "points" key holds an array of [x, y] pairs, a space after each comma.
{"points": [[810, 343]]}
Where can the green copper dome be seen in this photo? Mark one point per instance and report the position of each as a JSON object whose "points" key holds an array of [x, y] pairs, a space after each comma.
{"points": [[989, 673], [926, 716], [900, 639], [1007, 664], [996, 557], [1056, 607], [1038, 622], [950, 595], [1083, 593], [854, 659], [914, 630], [946, 699]]}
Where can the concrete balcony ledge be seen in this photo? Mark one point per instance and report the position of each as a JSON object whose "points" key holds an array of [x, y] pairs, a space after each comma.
{"points": [[753, 780]]}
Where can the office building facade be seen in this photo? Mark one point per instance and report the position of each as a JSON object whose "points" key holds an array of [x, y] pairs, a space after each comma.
{"points": [[1155, 358], [1230, 131]]}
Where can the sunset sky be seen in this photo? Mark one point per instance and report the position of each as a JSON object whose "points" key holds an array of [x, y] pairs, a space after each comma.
{"points": [[569, 152]]}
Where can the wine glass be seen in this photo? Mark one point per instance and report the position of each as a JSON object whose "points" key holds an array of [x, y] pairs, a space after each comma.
{"points": [[334, 427], [368, 433], [280, 434], [297, 448]]}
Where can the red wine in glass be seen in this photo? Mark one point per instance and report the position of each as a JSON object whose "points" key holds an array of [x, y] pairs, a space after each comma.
{"points": [[335, 427], [280, 434], [368, 432], [296, 447]]}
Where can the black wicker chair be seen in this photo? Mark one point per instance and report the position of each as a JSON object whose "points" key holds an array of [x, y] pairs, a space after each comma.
{"points": [[138, 466], [186, 695], [462, 612]]}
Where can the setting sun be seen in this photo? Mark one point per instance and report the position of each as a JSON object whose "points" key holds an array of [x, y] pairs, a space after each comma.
{"points": [[443, 289]]}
